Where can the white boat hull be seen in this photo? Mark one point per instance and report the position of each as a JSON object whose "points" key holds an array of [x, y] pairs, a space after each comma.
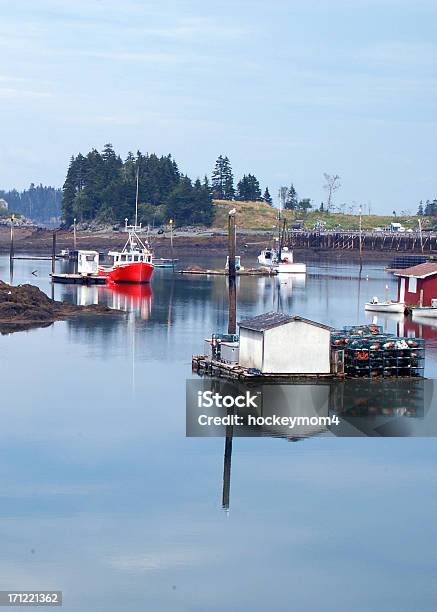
{"points": [[425, 312], [385, 307], [291, 268]]}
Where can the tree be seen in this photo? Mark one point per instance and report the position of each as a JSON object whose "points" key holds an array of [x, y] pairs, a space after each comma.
{"points": [[101, 186], [420, 209], [304, 205], [267, 197], [189, 204], [38, 202], [291, 199], [223, 179], [248, 188], [332, 184]]}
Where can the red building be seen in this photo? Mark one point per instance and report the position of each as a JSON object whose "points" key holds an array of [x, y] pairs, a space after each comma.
{"points": [[417, 285]]}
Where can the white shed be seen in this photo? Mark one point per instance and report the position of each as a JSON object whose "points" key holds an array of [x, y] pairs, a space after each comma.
{"points": [[276, 343], [87, 262]]}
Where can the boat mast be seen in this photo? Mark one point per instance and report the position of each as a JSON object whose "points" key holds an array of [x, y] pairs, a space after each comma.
{"points": [[136, 198], [279, 227]]}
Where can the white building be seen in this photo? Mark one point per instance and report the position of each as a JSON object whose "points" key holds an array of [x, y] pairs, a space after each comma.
{"points": [[3, 204], [87, 262], [276, 343], [397, 227]]}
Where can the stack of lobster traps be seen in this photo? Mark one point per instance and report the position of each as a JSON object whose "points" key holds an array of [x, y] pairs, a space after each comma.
{"points": [[369, 352]]}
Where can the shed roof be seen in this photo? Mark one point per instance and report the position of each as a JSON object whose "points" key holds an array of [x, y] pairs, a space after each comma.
{"points": [[274, 319], [420, 271]]}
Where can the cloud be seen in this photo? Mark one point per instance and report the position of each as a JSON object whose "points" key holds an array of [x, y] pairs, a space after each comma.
{"points": [[11, 93]]}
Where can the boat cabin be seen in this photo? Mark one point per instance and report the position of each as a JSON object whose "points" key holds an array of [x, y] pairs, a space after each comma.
{"points": [[417, 286], [130, 257]]}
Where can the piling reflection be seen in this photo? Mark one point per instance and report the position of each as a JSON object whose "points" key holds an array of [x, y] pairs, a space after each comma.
{"points": [[355, 408]]}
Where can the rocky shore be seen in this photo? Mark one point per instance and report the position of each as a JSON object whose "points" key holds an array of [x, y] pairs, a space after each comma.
{"points": [[26, 306]]}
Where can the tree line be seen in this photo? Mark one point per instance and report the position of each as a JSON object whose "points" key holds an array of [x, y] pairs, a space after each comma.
{"points": [[102, 187], [38, 202], [429, 209]]}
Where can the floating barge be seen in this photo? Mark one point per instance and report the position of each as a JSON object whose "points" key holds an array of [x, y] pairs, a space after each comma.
{"points": [[205, 365], [279, 347], [78, 279]]}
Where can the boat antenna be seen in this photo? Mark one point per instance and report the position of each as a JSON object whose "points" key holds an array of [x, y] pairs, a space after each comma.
{"points": [[136, 197]]}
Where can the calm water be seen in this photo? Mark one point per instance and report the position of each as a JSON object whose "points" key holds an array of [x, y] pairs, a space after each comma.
{"points": [[102, 496]]}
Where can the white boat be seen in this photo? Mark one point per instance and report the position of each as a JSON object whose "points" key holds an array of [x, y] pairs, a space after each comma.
{"points": [[388, 306], [286, 265], [238, 265], [162, 262], [429, 312]]}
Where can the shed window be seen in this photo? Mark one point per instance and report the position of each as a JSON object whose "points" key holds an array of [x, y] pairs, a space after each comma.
{"points": [[412, 284]]}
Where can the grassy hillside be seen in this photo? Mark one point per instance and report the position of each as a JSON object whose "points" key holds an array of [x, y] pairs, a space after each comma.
{"points": [[261, 216]]}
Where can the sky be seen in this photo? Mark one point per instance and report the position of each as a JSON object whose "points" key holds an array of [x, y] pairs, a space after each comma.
{"points": [[287, 89]]}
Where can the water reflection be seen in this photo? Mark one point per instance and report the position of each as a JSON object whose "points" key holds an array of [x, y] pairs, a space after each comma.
{"points": [[99, 482], [363, 408]]}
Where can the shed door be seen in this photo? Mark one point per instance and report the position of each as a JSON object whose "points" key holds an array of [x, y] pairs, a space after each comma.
{"points": [[402, 291]]}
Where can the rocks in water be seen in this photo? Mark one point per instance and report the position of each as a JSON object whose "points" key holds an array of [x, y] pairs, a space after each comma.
{"points": [[27, 306]]}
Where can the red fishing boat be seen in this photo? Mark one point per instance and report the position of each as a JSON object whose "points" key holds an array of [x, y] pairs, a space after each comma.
{"points": [[131, 265], [134, 263]]}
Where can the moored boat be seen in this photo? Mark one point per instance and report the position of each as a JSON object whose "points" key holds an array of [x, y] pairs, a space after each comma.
{"points": [[429, 312], [162, 262], [131, 265], [283, 263], [388, 306]]}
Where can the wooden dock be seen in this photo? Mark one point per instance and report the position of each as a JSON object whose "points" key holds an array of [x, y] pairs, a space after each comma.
{"points": [[390, 242], [204, 365], [249, 272], [78, 279]]}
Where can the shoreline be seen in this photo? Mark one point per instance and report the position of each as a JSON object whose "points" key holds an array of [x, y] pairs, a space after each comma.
{"points": [[39, 242]]}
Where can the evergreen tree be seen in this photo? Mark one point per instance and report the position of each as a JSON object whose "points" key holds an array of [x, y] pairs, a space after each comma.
{"points": [[38, 202], [291, 202], [420, 209], [248, 188], [223, 180], [229, 191], [267, 197], [101, 186], [189, 203]]}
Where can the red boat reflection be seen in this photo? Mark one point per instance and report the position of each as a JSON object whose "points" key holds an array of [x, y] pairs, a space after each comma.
{"points": [[132, 297]]}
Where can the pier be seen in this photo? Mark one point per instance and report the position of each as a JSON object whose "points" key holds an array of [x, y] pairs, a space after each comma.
{"points": [[370, 241]]}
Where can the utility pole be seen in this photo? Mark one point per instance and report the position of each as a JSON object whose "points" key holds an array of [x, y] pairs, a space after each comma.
{"points": [[74, 234], [361, 230]]}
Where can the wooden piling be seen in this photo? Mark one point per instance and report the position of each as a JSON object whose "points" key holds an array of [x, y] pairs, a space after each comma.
{"points": [[11, 250], [232, 320], [54, 252]]}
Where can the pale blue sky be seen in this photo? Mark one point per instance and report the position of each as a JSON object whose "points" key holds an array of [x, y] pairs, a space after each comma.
{"points": [[288, 89]]}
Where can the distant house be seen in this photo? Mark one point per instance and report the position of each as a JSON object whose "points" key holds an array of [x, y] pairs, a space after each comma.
{"points": [[418, 284], [276, 343], [3, 204]]}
